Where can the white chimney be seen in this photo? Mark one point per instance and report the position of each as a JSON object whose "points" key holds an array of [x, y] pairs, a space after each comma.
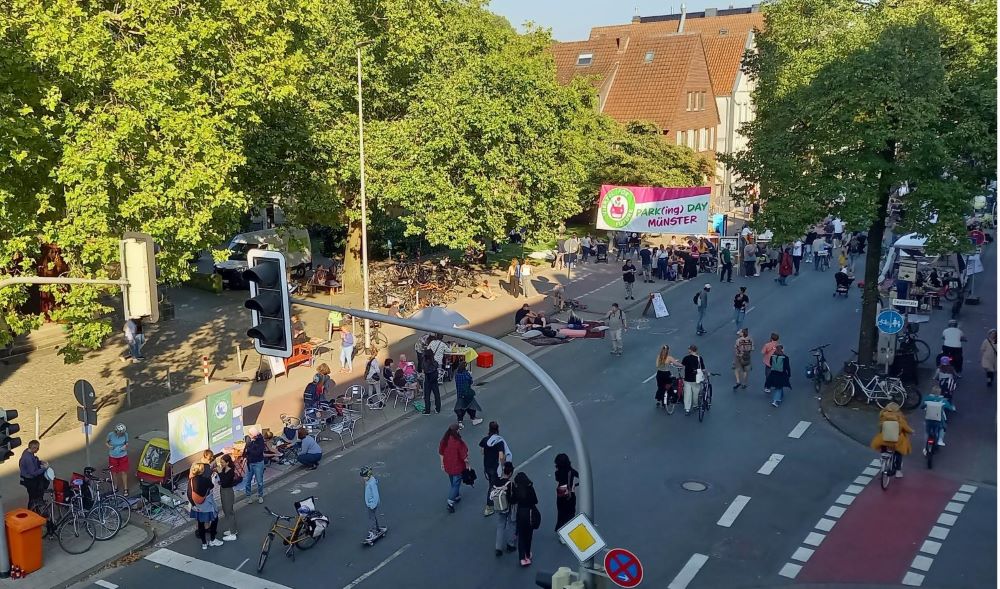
{"points": [[680, 27]]}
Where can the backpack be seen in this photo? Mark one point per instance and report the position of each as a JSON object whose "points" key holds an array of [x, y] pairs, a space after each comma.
{"points": [[777, 363], [890, 431], [501, 497]]}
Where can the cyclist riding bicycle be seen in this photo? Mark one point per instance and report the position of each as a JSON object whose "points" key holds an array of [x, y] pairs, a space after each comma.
{"points": [[893, 436], [935, 415], [946, 379]]}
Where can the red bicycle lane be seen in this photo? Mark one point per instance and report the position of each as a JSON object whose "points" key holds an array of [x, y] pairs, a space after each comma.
{"points": [[881, 532]]}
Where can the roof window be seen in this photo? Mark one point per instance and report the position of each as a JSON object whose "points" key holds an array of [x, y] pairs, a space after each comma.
{"points": [[649, 57], [585, 59], [723, 31]]}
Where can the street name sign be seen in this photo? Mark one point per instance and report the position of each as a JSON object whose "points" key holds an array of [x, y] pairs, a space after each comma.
{"points": [[905, 303]]}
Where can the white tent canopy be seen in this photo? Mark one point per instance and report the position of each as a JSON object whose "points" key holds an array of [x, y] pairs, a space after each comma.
{"points": [[910, 241]]}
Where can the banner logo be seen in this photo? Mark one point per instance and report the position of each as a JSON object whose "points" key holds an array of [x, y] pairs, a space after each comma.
{"points": [[618, 207]]}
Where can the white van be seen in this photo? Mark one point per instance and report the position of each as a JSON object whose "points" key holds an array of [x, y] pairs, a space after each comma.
{"points": [[294, 243]]}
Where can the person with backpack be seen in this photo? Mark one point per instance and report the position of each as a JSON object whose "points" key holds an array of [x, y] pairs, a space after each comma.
{"points": [[742, 361], [372, 501], [701, 302], [567, 480], [628, 276], [527, 517], [203, 509], [454, 460], [646, 258], [253, 451], [419, 347], [893, 436], [741, 303], [225, 468], [766, 352], [495, 452], [779, 377], [346, 351], [501, 498], [431, 382]]}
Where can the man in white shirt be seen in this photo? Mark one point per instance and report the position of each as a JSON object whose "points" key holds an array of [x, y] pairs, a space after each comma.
{"points": [[838, 231], [585, 245], [797, 255], [951, 344]]}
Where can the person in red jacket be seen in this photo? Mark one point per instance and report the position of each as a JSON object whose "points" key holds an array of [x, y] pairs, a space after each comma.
{"points": [[454, 460]]}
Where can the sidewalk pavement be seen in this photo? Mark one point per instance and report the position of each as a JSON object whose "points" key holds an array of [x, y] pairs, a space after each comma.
{"points": [[263, 403]]}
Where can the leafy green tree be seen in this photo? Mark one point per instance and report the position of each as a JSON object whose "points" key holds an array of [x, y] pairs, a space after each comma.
{"points": [[635, 154], [854, 99]]}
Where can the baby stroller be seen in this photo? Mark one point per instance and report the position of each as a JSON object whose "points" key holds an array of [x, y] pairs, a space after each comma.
{"points": [[601, 252], [843, 284]]}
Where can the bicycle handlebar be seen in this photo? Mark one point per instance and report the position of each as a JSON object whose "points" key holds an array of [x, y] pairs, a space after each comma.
{"points": [[277, 516], [818, 348]]}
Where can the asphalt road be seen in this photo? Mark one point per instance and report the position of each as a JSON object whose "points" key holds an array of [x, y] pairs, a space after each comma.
{"points": [[742, 531]]}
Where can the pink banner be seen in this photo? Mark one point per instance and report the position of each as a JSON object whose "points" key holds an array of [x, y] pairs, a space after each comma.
{"points": [[650, 209]]}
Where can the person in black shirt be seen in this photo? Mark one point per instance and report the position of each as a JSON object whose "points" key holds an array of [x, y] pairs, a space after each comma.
{"points": [[521, 313], [567, 480], [494, 449], [526, 503], [692, 363], [741, 302], [628, 275], [646, 258]]}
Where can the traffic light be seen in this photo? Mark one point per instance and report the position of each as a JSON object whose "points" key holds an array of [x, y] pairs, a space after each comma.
{"points": [[270, 309], [8, 429], [138, 263]]}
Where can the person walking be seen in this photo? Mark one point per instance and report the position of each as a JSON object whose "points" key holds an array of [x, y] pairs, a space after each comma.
{"points": [[741, 303], [134, 340], [617, 325], [32, 471], [527, 518], [779, 377], [952, 339], [741, 360], [749, 260], [567, 480], [372, 502], [502, 497], [785, 268], [225, 469], [701, 301], [431, 382], [628, 276], [465, 400], [726, 259], [454, 460], [664, 376], [988, 356], [512, 277], [692, 384], [495, 452], [203, 508], [117, 443], [253, 451], [766, 352], [646, 258], [797, 255], [346, 351]]}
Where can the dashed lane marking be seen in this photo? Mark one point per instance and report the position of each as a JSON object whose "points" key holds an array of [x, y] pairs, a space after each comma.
{"points": [[105, 584], [688, 571], [533, 456], [799, 429], [733, 511], [391, 558], [649, 379], [770, 465], [210, 570]]}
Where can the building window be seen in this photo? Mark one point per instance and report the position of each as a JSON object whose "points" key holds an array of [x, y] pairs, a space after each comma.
{"points": [[711, 138], [585, 59], [691, 135], [690, 97], [701, 100], [703, 140], [649, 57], [681, 139]]}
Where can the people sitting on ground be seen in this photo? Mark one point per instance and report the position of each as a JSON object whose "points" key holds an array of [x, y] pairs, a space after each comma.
{"points": [[521, 314], [483, 291], [539, 321]]}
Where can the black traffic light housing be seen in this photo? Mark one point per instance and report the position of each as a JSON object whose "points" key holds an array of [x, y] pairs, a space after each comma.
{"points": [[270, 308], [7, 429]]}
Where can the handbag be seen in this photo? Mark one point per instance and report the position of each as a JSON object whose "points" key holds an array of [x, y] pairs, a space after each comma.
{"points": [[699, 375], [536, 518], [469, 477], [563, 491]]}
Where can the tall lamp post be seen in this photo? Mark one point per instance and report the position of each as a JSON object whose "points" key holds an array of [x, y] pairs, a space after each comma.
{"points": [[364, 200]]}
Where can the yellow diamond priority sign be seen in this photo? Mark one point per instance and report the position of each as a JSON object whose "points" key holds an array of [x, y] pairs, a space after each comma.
{"points": [[581, 537]]}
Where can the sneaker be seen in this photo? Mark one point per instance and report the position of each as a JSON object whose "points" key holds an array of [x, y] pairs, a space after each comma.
{"points": [[451, 507], [941, 443], [215, 542], [477, 421], [899, 474], [511, 548], [461, 425], [499, 553], [204, 546], [774, 404], [260, 499], [736, 386], [525, 562], [488, 511], [426, 413], [229, 537]]}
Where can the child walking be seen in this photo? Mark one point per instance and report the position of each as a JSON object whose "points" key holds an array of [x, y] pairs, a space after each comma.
{"points": [[372, 501]]}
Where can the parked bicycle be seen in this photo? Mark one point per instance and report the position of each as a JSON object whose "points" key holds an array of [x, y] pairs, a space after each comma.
{"points": [[909, 343], [879, 389], [705, 395], [114, 498], [302, 534], [377, 341], [819, 372], [69, 522]]}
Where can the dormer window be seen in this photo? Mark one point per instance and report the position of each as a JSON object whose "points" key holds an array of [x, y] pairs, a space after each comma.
{"points": [[649, 57], [585, 59], [723, 31]]}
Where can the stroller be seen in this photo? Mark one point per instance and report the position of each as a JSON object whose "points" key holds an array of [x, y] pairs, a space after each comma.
{"points": [[601, 252], [843, 284]]}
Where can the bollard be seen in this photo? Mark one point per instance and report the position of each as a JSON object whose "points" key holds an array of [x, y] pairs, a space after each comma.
{"points": [[239, 358], [37, 419], [170, 389], [128, 393], [204, 368]]}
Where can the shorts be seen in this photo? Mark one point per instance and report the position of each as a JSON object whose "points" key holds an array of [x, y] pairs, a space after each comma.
{"points": [[118, 464]]}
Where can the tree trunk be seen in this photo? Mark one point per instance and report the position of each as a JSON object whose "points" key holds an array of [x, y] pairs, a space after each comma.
{"points": [[352, 258], [868, 335]]}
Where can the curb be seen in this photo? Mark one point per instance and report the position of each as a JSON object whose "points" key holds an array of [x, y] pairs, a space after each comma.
{"points": [[84, 574]]}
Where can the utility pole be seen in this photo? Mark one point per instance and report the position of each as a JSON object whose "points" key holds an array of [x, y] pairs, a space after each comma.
{"points": [[364, 198]]}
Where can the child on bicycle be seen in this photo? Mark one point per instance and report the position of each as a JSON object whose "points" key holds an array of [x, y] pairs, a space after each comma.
{"points": [[372, 501], [946, 378], [935, 415]]}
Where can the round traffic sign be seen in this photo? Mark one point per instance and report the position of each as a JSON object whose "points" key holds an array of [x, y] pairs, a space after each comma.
{"points": [[623, 567], [890, 321], [84, 393]]}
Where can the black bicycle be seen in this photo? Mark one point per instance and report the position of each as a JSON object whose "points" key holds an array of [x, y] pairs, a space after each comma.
{"points": [[819, 372], [705, 395]]}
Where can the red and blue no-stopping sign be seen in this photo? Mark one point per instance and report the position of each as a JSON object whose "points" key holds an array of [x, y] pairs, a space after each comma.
{"points": [[623, 567]]}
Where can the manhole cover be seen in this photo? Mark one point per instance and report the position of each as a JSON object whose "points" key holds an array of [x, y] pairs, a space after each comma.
{"points": [[693, 486]]}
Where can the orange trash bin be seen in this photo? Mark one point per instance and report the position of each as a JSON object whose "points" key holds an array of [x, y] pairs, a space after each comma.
{"points": [[485, 360], [24, 539]]}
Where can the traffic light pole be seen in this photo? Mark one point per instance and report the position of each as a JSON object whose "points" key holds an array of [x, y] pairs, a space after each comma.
{"points": [[586, 489], [4, 557]]}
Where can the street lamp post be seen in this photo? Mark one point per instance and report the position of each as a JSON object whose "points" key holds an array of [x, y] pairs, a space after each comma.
{"points": [[364, 198]]}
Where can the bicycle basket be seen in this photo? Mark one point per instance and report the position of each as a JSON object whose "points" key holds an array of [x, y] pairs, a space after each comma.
{"points": [[305, 506]]}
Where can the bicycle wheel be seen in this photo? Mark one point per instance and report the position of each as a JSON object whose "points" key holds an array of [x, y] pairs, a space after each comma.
{"points": [[701, 406], [827, 373], [75, 535], [912, 399], [929, 453], [671, 404], [817, 380], [106, 520], [379, 341], [889, 394], [305, 539], [951, 294], [921, 351], [264, 549], [845, 393], [886, 471], [122, 506]]}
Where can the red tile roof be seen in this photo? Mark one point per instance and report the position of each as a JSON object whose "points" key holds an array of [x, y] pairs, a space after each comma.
{"points": [[605, 54], [724, 55]]}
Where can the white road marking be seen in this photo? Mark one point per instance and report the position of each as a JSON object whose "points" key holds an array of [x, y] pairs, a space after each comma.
{"points": [[963, 497], [938, 533], [790, 570], [862, 480], [771, 464], [876, 462], [733, 511], [870, 471], [802, 554], [242, 564], [391, 557], [688, 571], [922, 563], [814, 539], [533, 456], [954, 507], [854, 489], [536, 388], [930, 547], [211, 571], [649, 379], [967, 488], [825, 524], [835, 511], [845, 499], [105, 584], [799, 429], [947, 519], [912, 579]]}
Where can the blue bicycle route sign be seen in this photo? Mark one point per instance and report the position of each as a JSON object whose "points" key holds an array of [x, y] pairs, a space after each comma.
{"points": [[890, 321]]}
